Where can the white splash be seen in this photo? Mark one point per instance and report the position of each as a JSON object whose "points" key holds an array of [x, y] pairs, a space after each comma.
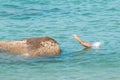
{"points": [[26, 54], [96, 45]]}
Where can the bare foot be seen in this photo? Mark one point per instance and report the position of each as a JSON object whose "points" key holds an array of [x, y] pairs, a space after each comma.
{"points": [[76, 37]]}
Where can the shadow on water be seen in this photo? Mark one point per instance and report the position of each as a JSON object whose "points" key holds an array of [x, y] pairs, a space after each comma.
{"points": [[8, 58], [85, 50], [80, 52]]}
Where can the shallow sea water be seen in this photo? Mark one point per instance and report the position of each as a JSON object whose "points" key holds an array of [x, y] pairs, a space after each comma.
{"points": [[93, 20]]}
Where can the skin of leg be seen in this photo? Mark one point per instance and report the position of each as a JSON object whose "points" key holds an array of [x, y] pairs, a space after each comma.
{"points": [[81, 42]]}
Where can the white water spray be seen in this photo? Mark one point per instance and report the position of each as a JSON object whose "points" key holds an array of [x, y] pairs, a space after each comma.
{"points": [[96, 45]]}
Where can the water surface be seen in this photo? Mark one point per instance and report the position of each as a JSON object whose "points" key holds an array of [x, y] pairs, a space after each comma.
{"points": [[92, 20]]}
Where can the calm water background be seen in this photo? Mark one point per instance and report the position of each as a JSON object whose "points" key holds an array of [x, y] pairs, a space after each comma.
{"points": [[92, 20]]}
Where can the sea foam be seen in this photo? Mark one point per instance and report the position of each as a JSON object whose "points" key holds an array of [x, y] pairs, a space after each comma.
{"points": [[96, 45]]}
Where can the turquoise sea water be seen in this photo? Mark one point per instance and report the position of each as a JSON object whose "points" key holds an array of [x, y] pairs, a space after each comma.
{"points": [[92, 20]]}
